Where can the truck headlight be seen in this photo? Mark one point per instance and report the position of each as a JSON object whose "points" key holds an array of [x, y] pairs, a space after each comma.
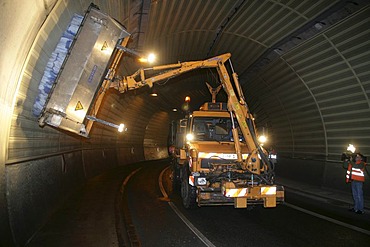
{"points": [[262, 139], [201, 181], [189, 137]]}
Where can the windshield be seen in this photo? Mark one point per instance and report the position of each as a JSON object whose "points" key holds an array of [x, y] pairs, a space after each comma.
{"points": [[212, 129]]}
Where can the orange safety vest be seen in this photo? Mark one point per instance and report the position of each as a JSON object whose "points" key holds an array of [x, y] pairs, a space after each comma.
{"points": [[355, 173]]}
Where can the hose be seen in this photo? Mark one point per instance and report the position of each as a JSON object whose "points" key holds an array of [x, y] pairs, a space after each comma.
{"points": [[264, 159]]}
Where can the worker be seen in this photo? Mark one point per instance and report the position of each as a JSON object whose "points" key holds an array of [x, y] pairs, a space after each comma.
{"points": [[355, 175]]}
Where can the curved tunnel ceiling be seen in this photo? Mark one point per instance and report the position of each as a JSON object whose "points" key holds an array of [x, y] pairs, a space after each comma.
{"points": [[303, 66]]}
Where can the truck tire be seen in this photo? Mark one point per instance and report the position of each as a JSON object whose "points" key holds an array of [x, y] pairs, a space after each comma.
{"points": [[176, 179], [188, 194]]}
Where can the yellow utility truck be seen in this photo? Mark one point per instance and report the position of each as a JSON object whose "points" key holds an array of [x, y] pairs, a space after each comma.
{"points": [[218, 158]]}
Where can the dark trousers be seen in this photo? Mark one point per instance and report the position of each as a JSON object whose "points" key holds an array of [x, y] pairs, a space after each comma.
{"points": [[358, 195]]}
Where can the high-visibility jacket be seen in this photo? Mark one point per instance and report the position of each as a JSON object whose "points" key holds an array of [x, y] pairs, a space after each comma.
{"points": [[355, 171]]}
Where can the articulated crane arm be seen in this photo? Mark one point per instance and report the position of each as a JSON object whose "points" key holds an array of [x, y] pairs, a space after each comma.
{"points": [[257, 161], [138, 79]]}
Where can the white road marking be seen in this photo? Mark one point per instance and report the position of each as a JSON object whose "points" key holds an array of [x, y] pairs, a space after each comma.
{"points": [[181, 216], [355, 228], [191, 226]]}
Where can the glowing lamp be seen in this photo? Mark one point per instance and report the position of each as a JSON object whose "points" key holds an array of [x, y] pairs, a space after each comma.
{"points": [[121, 128], [351, 148]]}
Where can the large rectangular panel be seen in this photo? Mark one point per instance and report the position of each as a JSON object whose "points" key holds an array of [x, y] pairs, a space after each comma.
{"points": [[83, 72]]}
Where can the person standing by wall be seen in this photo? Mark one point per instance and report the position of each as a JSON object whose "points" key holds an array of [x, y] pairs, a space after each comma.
{"points": [[355, 175]]}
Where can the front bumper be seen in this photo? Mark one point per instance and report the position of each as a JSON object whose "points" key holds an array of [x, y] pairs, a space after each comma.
{"points": [[266, 195]]}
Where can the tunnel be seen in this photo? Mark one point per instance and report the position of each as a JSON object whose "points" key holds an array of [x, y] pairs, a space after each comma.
{"points": [[303, 67]]}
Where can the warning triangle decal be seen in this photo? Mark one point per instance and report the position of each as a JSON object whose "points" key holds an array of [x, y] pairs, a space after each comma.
{"points": [[105, 46], [79, 106]]}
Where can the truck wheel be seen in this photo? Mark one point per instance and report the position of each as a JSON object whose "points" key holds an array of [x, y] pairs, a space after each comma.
{"points": [[188, 194], [175, 176], [176, 182]]}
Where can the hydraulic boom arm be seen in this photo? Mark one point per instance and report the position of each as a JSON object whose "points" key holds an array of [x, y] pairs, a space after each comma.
{"points": [[173, 70], [236, 105]]}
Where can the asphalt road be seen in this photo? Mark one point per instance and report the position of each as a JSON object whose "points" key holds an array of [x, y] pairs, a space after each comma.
{"points": [[136, 204], [159, 219]]}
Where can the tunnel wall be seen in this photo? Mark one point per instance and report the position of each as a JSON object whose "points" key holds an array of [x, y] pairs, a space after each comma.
{"points": [[321, 174], [315, 98], [38, 187], [40, 167]]}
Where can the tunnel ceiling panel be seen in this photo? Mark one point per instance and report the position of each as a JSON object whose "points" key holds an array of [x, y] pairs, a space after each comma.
{"points": [[320, 84], [195, 30]]}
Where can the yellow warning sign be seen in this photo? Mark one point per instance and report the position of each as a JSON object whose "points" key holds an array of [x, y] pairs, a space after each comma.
{"points": [[79, 106], [105, 46]]}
